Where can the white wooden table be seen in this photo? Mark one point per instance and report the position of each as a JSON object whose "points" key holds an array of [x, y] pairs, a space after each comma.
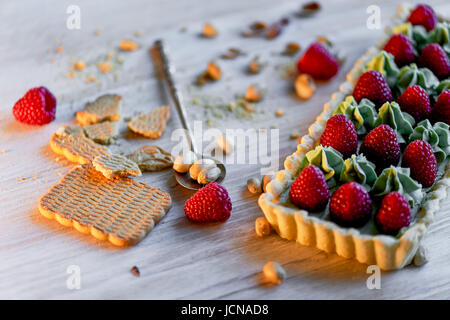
{"points": [[178, 259]]}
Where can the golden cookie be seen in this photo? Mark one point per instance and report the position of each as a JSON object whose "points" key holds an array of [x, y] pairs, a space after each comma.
{"points": [[73, 144], [105, 107], [152, 124], [114, 165], [103, 132], [119, 210], [151, 158]]}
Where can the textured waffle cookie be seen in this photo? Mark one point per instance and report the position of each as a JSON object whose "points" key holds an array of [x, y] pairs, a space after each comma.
{"points": [[152, 124], [119, 210], [114, 165], [73, 144], [103, 132], [105, 107], [151, 158]]}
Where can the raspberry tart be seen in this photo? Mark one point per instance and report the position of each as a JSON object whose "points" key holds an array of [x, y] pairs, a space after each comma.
{"points": [[367, 180]]}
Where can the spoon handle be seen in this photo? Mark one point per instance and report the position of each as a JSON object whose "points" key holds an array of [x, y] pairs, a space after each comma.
{"points": [[165, 70]]}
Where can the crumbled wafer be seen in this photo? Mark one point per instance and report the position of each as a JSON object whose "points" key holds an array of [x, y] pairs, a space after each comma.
{"points": [[75, 146], [152, 124], [114, 165], [119, 210], [151, 158], [102, 132], [105, 107]]}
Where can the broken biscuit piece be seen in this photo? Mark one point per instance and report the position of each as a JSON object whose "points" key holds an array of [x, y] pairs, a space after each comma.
{"points": [[152, 124], [102, 132], [114, 165], [105, 107], [75, 146], [121, 210], [151, 158]]}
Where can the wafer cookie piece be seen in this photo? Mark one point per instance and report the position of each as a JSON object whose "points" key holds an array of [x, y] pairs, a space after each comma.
{"points": [[152, 124], [105, 107], [119, 210], [103, 132], [151, 158], [114, 165], [75, 146]]}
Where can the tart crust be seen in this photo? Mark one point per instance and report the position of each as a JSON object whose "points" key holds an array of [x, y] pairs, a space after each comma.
{"points": [[387, 252]]}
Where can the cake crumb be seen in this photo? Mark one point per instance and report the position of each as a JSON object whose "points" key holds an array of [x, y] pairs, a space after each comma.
{"points": [[209, 31], [128, 45], [80, 65], [60, 49], [279, 113], [104, 67]]}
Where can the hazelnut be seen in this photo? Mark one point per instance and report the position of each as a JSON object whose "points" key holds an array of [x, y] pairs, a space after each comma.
{"points": [[274, 272], [262, 227]]}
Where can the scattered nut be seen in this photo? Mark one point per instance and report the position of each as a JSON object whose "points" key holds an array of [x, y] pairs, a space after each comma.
{"points": [[252, 95], [291, 48], [224, 144], [258, 25], [200, 165], [128, 45], [60, 49], [209, 31], [294, 135], [266, 179], [304, 86], [247, 106], [232, 53], [80, 65], [262, 227], [255, 66], [324, 40], [213, 71], [279, 113], [274, 272], [254, 185], [135, 271], [208, 175], [309, 8], [421, 256], [184, 161]]}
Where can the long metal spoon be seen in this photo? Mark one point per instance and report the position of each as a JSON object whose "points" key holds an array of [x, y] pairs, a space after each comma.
{"points": [[164, 71]]}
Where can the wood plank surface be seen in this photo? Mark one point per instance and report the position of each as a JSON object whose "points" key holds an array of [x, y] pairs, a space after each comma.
{"points": [[178, 259]]}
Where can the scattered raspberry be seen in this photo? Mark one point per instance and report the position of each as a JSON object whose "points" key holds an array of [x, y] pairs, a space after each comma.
{"points": [[318, 62], [381, 147], [393, 214], [373, 86], [340, 134], [441, 109], [419, 157], [310, 191], [401, 48], [37, 107], [350, 205], [211, 203], [434, 58], [415, 101], [423, 15]]}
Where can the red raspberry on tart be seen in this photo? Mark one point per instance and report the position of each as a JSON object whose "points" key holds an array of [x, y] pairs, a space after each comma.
{"points": [[401, 48], [423, 15], [419, 157], [394, 214], [36, 107], [381, 147], [434, 58], [350, 205], [441, 109], [318, 62], [309, 190], [340, 134], [373, 86], [210, 204], [414, 100]]}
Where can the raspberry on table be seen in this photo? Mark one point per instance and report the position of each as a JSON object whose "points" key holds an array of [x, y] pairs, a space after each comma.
{"points": [[210, 204], [318, 62], [36, 107]]}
